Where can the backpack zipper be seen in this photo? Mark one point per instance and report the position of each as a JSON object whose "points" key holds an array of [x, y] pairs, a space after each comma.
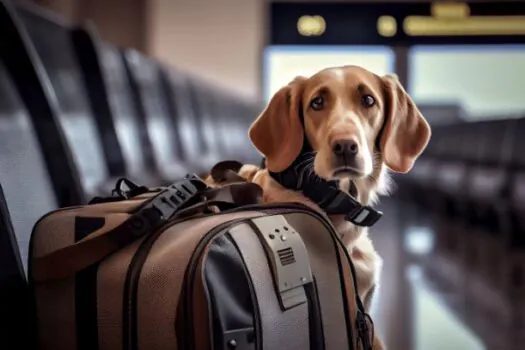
{"points": [[294, 207], [362, 326], [133, 274], [129, 317], [129, 314], [185, 316], [129, 311], [187, 319], [315, 321], [188, 341]]}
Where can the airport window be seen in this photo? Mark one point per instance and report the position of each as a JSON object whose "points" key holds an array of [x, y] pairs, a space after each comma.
{"points": [[283, 63], [482, 81]]}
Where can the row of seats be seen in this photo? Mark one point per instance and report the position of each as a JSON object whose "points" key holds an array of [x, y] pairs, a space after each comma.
{"points": [[77, 112], [474, 170], [472, 176]]}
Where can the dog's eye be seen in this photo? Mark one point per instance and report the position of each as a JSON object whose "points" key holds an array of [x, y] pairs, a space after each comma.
{"points": [[368, 101], [317, 103]]}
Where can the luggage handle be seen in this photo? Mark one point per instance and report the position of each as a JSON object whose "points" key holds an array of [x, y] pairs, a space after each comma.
{"points": [[149, 217], [227, 171]]}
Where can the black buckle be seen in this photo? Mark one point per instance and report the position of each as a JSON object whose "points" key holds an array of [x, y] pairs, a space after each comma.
{"points": [[196, 181], [364, 216], [164, 205]]}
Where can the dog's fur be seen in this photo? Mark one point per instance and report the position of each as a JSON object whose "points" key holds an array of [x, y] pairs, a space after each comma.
{"points": [[344, 113]]}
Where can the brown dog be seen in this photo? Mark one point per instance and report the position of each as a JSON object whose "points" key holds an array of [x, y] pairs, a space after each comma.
{"points": [[358, 125]]}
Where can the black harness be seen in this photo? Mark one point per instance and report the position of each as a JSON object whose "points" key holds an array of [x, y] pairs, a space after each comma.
{"points": [[326, 194]]}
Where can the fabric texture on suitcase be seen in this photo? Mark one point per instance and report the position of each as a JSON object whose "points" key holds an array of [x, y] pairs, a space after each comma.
{"points": [[221, 271]]}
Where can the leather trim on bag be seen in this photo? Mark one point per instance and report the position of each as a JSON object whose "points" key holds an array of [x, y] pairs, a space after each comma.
{"points": [[314, 318], [86, 290], [201, 322], [86, 225], [350, 307]]}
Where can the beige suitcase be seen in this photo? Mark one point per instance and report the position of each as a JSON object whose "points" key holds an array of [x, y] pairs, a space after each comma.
{"points": [[189, 267]]}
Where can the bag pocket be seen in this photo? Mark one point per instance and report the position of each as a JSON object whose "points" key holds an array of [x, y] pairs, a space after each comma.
{"points": [[231, 296]]}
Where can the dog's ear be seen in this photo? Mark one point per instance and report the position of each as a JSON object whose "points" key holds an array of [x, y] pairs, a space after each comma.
{"points": [[406, 133], [277, 133]]}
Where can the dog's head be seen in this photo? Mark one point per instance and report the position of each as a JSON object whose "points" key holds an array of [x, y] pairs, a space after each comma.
{"points": [[347, 113]]}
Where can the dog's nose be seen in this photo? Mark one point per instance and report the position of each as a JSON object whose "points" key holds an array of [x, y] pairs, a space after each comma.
{"points": [[345, 148]]}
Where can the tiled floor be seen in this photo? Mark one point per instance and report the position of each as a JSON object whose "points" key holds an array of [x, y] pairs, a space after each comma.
{"points": [[412, 312]]}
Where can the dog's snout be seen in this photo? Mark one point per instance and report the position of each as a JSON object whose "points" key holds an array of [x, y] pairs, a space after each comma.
{"points": [[345, 148]]}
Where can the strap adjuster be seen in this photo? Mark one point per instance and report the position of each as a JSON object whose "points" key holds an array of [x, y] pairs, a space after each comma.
{"points": [[364, 216], [163, 206]]}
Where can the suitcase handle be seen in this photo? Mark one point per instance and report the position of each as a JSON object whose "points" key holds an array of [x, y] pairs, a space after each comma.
{"points": [[227, 171], [148, 218]]}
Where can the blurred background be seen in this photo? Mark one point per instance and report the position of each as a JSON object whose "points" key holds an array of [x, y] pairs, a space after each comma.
{"points": [[151, 89]]}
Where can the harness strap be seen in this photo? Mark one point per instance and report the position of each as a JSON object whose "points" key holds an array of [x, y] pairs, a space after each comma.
{"points": [[332, 200], [326, 194]]}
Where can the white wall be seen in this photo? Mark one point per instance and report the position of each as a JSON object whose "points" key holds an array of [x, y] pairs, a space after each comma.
{"points": [[220, 40]]}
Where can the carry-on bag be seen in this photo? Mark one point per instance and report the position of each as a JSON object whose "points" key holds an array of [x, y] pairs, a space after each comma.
{"points": [[191, 267]]}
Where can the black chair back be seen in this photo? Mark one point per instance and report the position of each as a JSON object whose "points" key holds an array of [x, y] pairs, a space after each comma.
{"points": [[148, 90], [52, 43], [29, 81], [124, 132], [16, 331]]}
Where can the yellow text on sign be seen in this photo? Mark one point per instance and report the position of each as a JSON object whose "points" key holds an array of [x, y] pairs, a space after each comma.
{"points": [[311, 25]]}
